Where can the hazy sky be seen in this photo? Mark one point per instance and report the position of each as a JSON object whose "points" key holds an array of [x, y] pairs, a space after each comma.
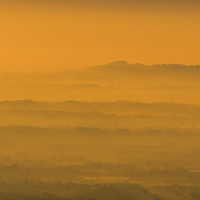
{"points": [[51, 35]]}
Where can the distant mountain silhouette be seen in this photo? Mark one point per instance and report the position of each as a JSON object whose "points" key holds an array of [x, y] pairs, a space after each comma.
{"points": [[123, 66], [118, 66]]}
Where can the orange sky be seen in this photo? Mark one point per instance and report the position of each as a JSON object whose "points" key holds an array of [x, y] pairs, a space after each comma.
{"points": [[59, 36]]}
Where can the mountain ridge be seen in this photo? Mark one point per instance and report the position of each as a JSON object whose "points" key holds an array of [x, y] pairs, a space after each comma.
{"points": [[123, 65]]}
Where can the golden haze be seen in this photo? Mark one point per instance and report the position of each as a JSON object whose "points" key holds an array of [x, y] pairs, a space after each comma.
{"points": [[75, 128], [51, 37]]}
